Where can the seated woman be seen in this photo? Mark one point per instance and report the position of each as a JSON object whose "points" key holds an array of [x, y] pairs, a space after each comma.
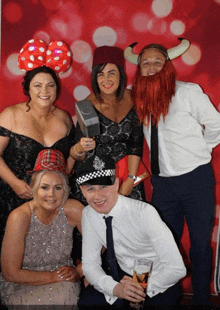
{"points": [[27, 128], [121, 133], [37, 268]]}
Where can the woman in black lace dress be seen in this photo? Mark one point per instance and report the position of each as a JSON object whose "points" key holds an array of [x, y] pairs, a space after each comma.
{"points": [[27, 128], [120, 130]]}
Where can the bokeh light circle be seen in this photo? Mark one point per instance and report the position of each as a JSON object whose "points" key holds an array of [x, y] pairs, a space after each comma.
{"points": [[162, 8], [157, 26], [52, 5], [177, 27], [192, 56], [140, 22], [12, 65], [81, 50], [65, 74], [104, 36], [42, 35], [81, 92], [12, 12]]}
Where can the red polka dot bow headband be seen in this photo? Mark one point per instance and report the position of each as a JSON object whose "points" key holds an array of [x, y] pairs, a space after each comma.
{"points": [[35, 54]]}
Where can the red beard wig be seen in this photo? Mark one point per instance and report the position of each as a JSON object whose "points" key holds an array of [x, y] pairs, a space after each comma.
{"points": [[152, 94]]}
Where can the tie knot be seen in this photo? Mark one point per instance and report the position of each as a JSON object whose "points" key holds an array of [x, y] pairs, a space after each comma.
{"points": [[108, 220]]}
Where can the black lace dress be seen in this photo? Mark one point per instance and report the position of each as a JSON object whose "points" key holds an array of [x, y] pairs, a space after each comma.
{"points": [[116, 140], [20, 155]]}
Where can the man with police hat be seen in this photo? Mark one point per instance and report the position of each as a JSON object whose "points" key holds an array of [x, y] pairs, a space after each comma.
{"points": [[138, 232]]}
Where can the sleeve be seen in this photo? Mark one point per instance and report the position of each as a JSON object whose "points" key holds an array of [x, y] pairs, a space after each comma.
{"points": [[135, 146], [4, 132], [206, 114], [78, 133], [91, 260], [170, 268]]}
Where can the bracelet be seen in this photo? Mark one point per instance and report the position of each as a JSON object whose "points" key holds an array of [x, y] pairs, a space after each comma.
{"points": [[76, 152], [133, 177]]}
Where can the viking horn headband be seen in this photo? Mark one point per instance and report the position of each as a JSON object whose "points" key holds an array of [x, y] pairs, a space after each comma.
{"points": [[172, 53]]}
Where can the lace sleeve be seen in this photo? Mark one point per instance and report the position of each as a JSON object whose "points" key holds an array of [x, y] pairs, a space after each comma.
{"points": [[135, 146], [78, 133], [4, 132]]}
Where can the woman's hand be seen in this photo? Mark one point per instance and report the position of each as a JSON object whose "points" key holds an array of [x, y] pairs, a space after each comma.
{"points": [[67, 273], [87, 144], [126, 187], [22, 189]]}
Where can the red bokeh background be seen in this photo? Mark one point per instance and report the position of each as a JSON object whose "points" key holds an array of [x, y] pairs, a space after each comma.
{"points": [[86, 24]]}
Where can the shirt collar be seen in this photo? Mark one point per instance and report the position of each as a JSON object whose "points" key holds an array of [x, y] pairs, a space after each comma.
{"points": [[115, 210]]}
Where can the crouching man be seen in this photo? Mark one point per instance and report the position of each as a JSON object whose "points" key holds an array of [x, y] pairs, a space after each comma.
{"points": [[138, 232]]}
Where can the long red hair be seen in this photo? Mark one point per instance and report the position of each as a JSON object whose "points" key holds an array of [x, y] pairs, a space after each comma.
{"points": [[152, 95]]}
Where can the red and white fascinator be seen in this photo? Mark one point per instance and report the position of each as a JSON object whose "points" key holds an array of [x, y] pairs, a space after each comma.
{"points": [[35, 53]]}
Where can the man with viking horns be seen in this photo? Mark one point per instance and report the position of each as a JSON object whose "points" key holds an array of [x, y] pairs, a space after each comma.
{"points": [[181, 127]]}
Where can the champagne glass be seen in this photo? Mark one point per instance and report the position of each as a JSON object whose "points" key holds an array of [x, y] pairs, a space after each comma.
{"points": [[141, 274]]}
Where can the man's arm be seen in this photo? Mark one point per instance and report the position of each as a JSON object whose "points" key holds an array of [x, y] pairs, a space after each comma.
{"points": [[206, 114], [171, 268], [91, 256]]}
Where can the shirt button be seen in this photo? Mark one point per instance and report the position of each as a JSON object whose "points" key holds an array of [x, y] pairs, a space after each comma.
{"points": [[153, 292]]}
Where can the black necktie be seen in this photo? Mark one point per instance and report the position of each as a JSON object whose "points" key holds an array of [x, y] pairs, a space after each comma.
{"points": [[110, 249], [154, 150]]}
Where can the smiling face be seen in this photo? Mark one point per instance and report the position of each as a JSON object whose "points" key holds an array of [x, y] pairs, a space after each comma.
{"points": [[151, 62], [101, 198], [50, 192], [43, 89], [108, 79]]}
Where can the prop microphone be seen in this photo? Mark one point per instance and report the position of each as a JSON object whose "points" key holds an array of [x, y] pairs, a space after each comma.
{"points": [[87, 118]]}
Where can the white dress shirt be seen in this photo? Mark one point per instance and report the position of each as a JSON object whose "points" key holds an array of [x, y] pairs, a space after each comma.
{"points": [[138, 232], [188, 134]]}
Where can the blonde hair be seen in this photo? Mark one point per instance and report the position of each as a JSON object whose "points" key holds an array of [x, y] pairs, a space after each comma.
{"points": [[37, 176]]}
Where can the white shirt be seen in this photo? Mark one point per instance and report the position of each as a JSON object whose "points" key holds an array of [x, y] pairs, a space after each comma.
{"points": [[138, 232], [190, 130]]}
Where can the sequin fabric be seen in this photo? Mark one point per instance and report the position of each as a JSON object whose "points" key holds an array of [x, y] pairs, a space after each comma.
{"points": [[20, 155], [47, 247]]}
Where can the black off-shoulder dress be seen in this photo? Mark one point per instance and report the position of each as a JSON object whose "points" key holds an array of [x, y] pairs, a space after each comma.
{"points": [[116, 140]]}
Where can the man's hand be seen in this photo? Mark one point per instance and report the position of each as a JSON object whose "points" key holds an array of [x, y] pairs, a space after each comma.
{"points": [[127, 289]]}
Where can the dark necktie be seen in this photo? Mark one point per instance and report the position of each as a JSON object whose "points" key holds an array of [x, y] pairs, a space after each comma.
{"points": [[110, 249], [154, 150]]}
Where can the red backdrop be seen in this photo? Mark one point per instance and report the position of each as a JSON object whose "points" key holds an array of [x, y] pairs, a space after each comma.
{"points": [[86, 24]]}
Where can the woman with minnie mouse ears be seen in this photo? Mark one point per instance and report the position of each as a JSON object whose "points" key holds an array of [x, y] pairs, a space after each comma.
{"points": [[28, 127]]}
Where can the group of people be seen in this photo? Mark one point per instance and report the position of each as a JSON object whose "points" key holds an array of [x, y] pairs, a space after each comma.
{"points": [[40, 148]]}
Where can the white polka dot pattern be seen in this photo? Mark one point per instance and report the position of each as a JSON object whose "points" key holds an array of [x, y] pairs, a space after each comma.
{"points": [[35, 54]]}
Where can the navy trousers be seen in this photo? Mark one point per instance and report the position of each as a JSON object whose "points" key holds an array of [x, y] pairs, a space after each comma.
{"points": [[191, 196], [91, 299]]}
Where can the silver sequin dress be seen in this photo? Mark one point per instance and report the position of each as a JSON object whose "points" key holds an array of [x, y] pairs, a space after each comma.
{"points": [[47, 248]]}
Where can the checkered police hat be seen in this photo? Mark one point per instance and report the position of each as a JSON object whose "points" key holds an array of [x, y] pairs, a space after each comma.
{"points": [[96, 170]]}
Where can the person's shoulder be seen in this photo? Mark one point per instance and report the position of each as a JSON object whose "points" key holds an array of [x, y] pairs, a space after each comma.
{"points": [[20, 215], [73, 206], [94, 101], [63, 116], [91, 97], [89, 213], [187, 87], [136, 207], [9, 115]]}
